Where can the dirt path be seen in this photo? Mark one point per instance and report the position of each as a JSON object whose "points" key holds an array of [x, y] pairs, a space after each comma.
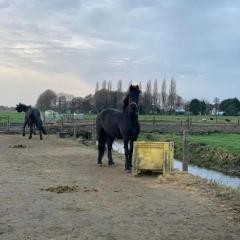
{"points": [[105, 203]]}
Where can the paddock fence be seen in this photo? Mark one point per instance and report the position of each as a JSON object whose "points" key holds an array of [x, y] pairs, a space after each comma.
{"points": [[76, 125]]}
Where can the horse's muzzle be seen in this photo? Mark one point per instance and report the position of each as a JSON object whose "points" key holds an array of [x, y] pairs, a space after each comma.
{"points": [[133, 107]]}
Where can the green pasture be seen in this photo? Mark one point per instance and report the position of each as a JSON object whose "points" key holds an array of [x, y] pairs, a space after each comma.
{"points": [[226, 141], [179, 118], [217, 151], [12, 117], [198, 118], [19, 117]]}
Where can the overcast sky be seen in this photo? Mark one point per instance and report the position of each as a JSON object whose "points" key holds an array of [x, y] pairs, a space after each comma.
{"points": [[69, 45]]}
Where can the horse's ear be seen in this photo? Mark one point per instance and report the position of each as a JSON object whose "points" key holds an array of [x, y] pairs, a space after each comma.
{"points": [[138, 89], [125, 101], [131, 87]]}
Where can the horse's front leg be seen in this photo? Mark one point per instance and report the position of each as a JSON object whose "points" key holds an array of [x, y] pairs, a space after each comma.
{"points": [[131, 152], [127, 162], [24, 126], [40, 133], [109, 145]]}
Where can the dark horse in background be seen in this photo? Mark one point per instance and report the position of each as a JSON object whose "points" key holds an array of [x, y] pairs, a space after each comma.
{"points": [[32, 118], [112, 124]]}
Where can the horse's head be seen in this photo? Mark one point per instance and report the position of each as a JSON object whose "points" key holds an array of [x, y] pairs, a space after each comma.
{"points": [[21, 107], [132, 99]]}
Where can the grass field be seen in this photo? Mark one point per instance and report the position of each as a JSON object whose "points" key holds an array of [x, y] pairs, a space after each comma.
{"points": [[217, 151], [19, 117], [227, 142], [177, 118], [12, 116]]}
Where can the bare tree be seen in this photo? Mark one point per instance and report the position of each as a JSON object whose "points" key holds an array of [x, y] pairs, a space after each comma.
{"points": [[62, 104], [109, 86], [179, 101], [155, 97], [140, 85], [172, 96], [119, 95], [130, 83], [69, 97], [147, 97], [119, 86], [97, 87], [216, 103], [164, 95], [47, 100], [104, 84], [109, 94]]}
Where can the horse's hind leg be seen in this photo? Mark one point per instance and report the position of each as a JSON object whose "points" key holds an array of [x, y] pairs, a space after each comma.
{"points": [[31, 131], [101, 146], [40, 133], [109, 145], [34, 129], [24, 126]]}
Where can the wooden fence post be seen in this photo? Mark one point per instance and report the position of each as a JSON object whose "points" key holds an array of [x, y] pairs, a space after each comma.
{"points": [[93, 133], [74, 128], [8, 123], [185, 151], [188, 122], [62, 124]]}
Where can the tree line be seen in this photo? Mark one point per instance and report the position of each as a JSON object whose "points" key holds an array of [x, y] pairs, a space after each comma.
{"points": [[155, 99]]}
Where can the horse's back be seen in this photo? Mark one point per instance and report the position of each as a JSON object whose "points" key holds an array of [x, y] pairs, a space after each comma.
{"points": [[33, 114], [108, 121]]}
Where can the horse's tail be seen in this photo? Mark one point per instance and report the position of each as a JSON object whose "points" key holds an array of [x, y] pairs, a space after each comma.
{"points": [[101, 136], [40, 126], [43, 130]]}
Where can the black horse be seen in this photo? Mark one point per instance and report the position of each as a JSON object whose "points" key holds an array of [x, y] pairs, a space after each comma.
{"points": [[111, 124], [32, 118]]}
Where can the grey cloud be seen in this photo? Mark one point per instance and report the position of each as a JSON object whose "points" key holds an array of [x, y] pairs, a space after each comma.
{"points": [[124, 39]]}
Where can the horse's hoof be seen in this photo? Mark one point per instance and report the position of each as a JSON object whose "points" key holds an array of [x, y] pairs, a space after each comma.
{"points": [[128, 170], [112, 165], [23, 134], [99, 164]]}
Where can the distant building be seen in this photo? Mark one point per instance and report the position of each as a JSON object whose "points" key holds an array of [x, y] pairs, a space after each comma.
{"points": [[180, 110], [219, 113]]}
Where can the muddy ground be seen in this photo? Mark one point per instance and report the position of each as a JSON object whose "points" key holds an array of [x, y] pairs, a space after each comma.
{"points": [[52, 189]]}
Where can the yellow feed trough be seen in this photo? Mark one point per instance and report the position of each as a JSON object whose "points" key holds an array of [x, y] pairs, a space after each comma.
{"points": [[152, 156]]}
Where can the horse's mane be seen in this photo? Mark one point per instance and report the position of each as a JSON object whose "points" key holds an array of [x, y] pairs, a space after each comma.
{"points": [[22, 107], [125, 101], [132, 88]]}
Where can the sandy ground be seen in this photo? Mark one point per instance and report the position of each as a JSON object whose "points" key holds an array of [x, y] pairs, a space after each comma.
{"points": [[100, 202]]}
